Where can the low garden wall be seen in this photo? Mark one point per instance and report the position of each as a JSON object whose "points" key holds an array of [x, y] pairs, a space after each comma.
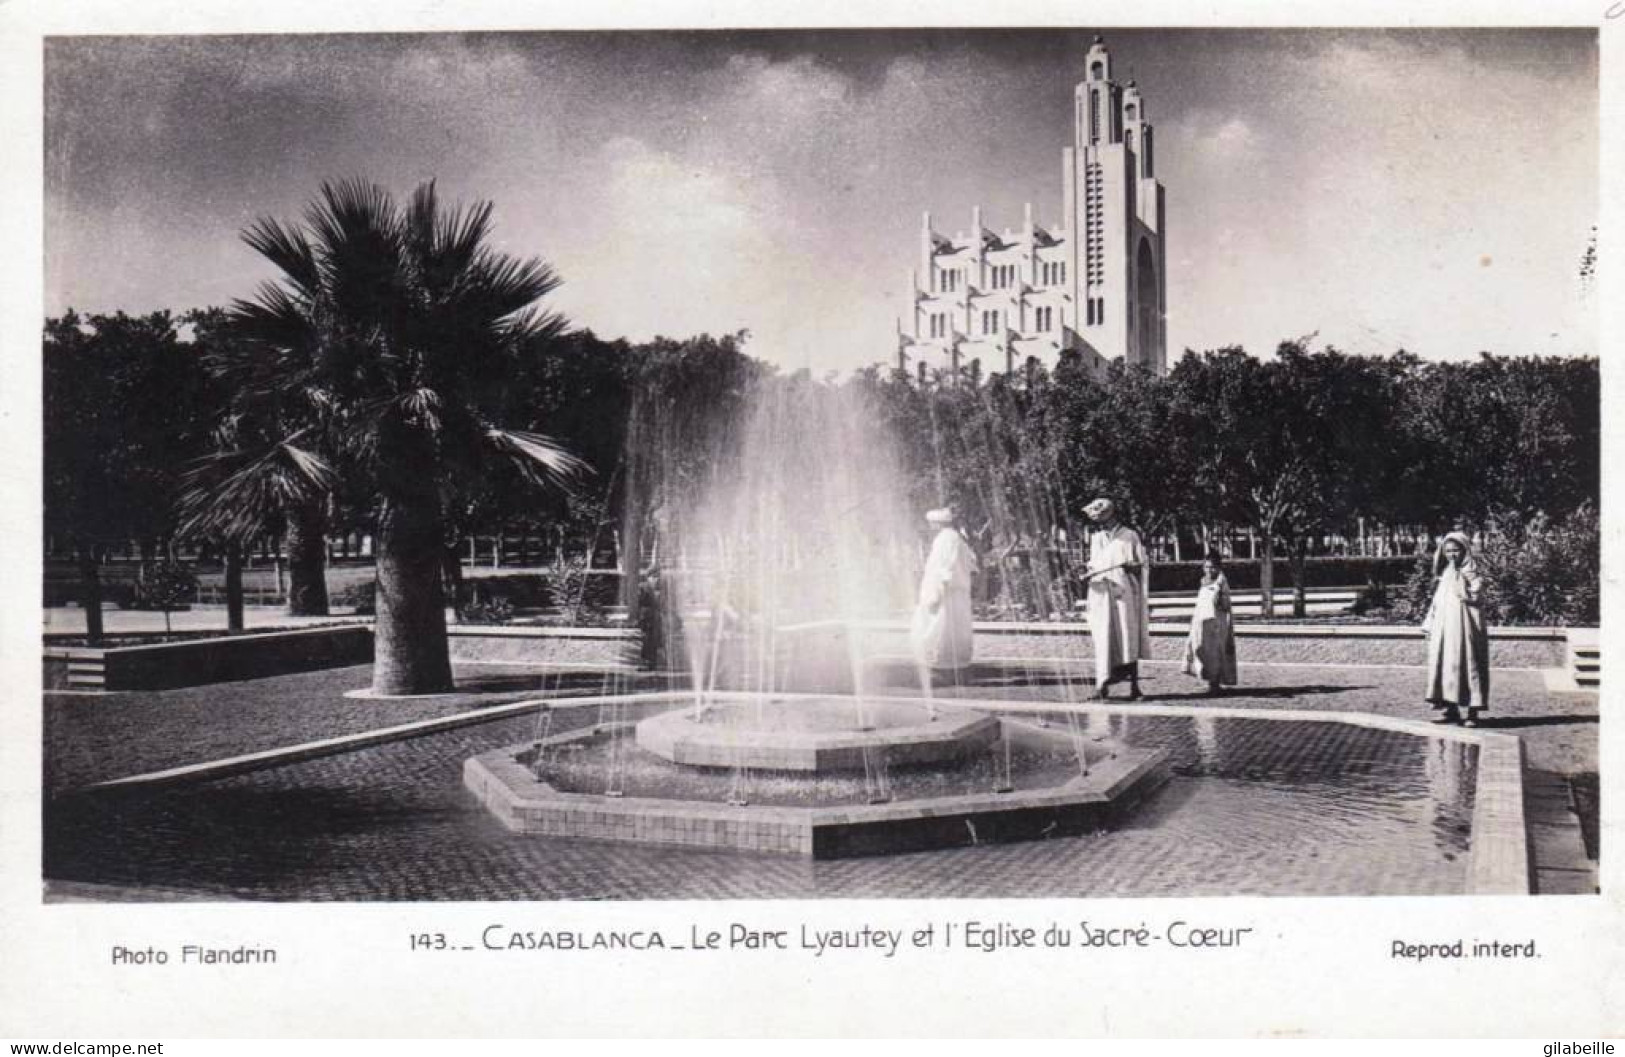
{"points": [[1510, 647], [220, 659], [229, 658], [567, 647]]}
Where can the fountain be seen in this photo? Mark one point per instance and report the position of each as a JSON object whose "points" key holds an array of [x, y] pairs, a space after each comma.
{"points": [[784, 548]]}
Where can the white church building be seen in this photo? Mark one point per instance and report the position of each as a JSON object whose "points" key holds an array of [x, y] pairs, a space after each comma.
{"points": [[990, 302]]}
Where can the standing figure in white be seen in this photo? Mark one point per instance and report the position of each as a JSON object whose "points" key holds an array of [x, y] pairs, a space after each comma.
{"points": [[1119, 615], [942, 635], [1458, 641]]}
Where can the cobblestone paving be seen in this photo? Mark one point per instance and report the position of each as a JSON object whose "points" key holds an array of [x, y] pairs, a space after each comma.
{"points": [[1258, 808], [95, 737], [1300, 809]]}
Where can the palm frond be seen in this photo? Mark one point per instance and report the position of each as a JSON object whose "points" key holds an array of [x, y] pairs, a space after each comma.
{"points": [[226, 431], [362, 252], [268, 359], [445, 242], [319, 399], [540, 458], [534, 325], [502, 285], [419, 222], [421, 407], [351, 210], [459, 237], [390, 335], [274, 317], [232, 495], [288, 249]]}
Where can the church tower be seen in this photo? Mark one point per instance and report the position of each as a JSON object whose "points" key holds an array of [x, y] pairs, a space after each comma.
{"points": [[1115, 214], [986, 301]]}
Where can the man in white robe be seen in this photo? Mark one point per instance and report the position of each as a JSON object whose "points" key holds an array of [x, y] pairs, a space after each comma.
{"points": [[1119, 612], [941, 632]]}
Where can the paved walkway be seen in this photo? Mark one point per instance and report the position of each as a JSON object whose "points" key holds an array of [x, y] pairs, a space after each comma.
{"points": [[1274, 809], [392, 821], [96, 737]]}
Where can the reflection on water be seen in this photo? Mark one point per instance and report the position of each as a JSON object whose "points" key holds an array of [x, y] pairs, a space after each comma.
{"points": [[1256, 807], [1329, 784]]}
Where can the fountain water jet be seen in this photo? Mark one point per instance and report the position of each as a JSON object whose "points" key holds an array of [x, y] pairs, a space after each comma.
{"points": [[780, 555]]}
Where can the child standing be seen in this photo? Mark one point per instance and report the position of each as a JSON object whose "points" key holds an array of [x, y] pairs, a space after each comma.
{"points": [[1210, 649], [1458, 641]]}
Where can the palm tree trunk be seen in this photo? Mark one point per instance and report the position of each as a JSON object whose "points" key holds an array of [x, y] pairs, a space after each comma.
{"points": [[90, 591], [410, 650], [234, 586], [307, 560]]}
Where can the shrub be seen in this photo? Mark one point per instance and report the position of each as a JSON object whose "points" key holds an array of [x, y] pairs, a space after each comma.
{"points": [[1017, 592], [540, 590], [495, 609], [167, 586], [362, 597], [1374, 597], [1412, 601], [519, 590], [582, 593], [1535, 572], [1541, 572]]}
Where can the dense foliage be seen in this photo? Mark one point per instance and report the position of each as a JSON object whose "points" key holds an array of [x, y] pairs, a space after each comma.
{"points": [[1295, 448], [127, 404]]}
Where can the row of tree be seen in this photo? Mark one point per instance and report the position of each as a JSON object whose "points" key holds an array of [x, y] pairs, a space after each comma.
{"points": [[1295, 447], [399, 379]]}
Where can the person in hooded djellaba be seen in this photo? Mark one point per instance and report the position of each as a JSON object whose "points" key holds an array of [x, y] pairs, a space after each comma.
{"points": [[1119, 610], [942, 632], [1458, 660], [1210, 649]]}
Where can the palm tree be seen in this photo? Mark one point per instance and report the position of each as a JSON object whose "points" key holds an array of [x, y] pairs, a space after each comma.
{"points": [[300, 522], [243, 488], [386, 342]]}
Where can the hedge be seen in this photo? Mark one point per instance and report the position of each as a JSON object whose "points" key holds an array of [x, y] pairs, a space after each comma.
{"points": [[1317, 572], [537, 590], [516, 590]]}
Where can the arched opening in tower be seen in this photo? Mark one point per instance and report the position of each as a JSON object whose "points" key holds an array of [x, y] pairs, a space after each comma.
{"points": [[1148, 315]]}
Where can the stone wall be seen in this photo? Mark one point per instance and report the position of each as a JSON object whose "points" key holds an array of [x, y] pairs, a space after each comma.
{"points": [[1303, 644], [165, 666]]}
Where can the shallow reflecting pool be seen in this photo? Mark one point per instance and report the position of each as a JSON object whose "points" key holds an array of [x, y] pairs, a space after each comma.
{"points": [[1255, 807]]}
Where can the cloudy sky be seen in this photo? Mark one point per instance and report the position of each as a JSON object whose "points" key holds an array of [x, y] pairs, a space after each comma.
{"points": [[1432, 190]]}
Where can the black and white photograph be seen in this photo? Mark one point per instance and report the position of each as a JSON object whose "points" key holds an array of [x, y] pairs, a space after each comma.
{"points": [[1136, 476]]}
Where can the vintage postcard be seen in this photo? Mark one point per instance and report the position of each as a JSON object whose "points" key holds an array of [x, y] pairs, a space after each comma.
{"points": [[899, 521]]}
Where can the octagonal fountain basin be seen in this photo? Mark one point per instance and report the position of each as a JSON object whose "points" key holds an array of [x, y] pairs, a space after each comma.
{"points": [[884, 777], [819, 734]]}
